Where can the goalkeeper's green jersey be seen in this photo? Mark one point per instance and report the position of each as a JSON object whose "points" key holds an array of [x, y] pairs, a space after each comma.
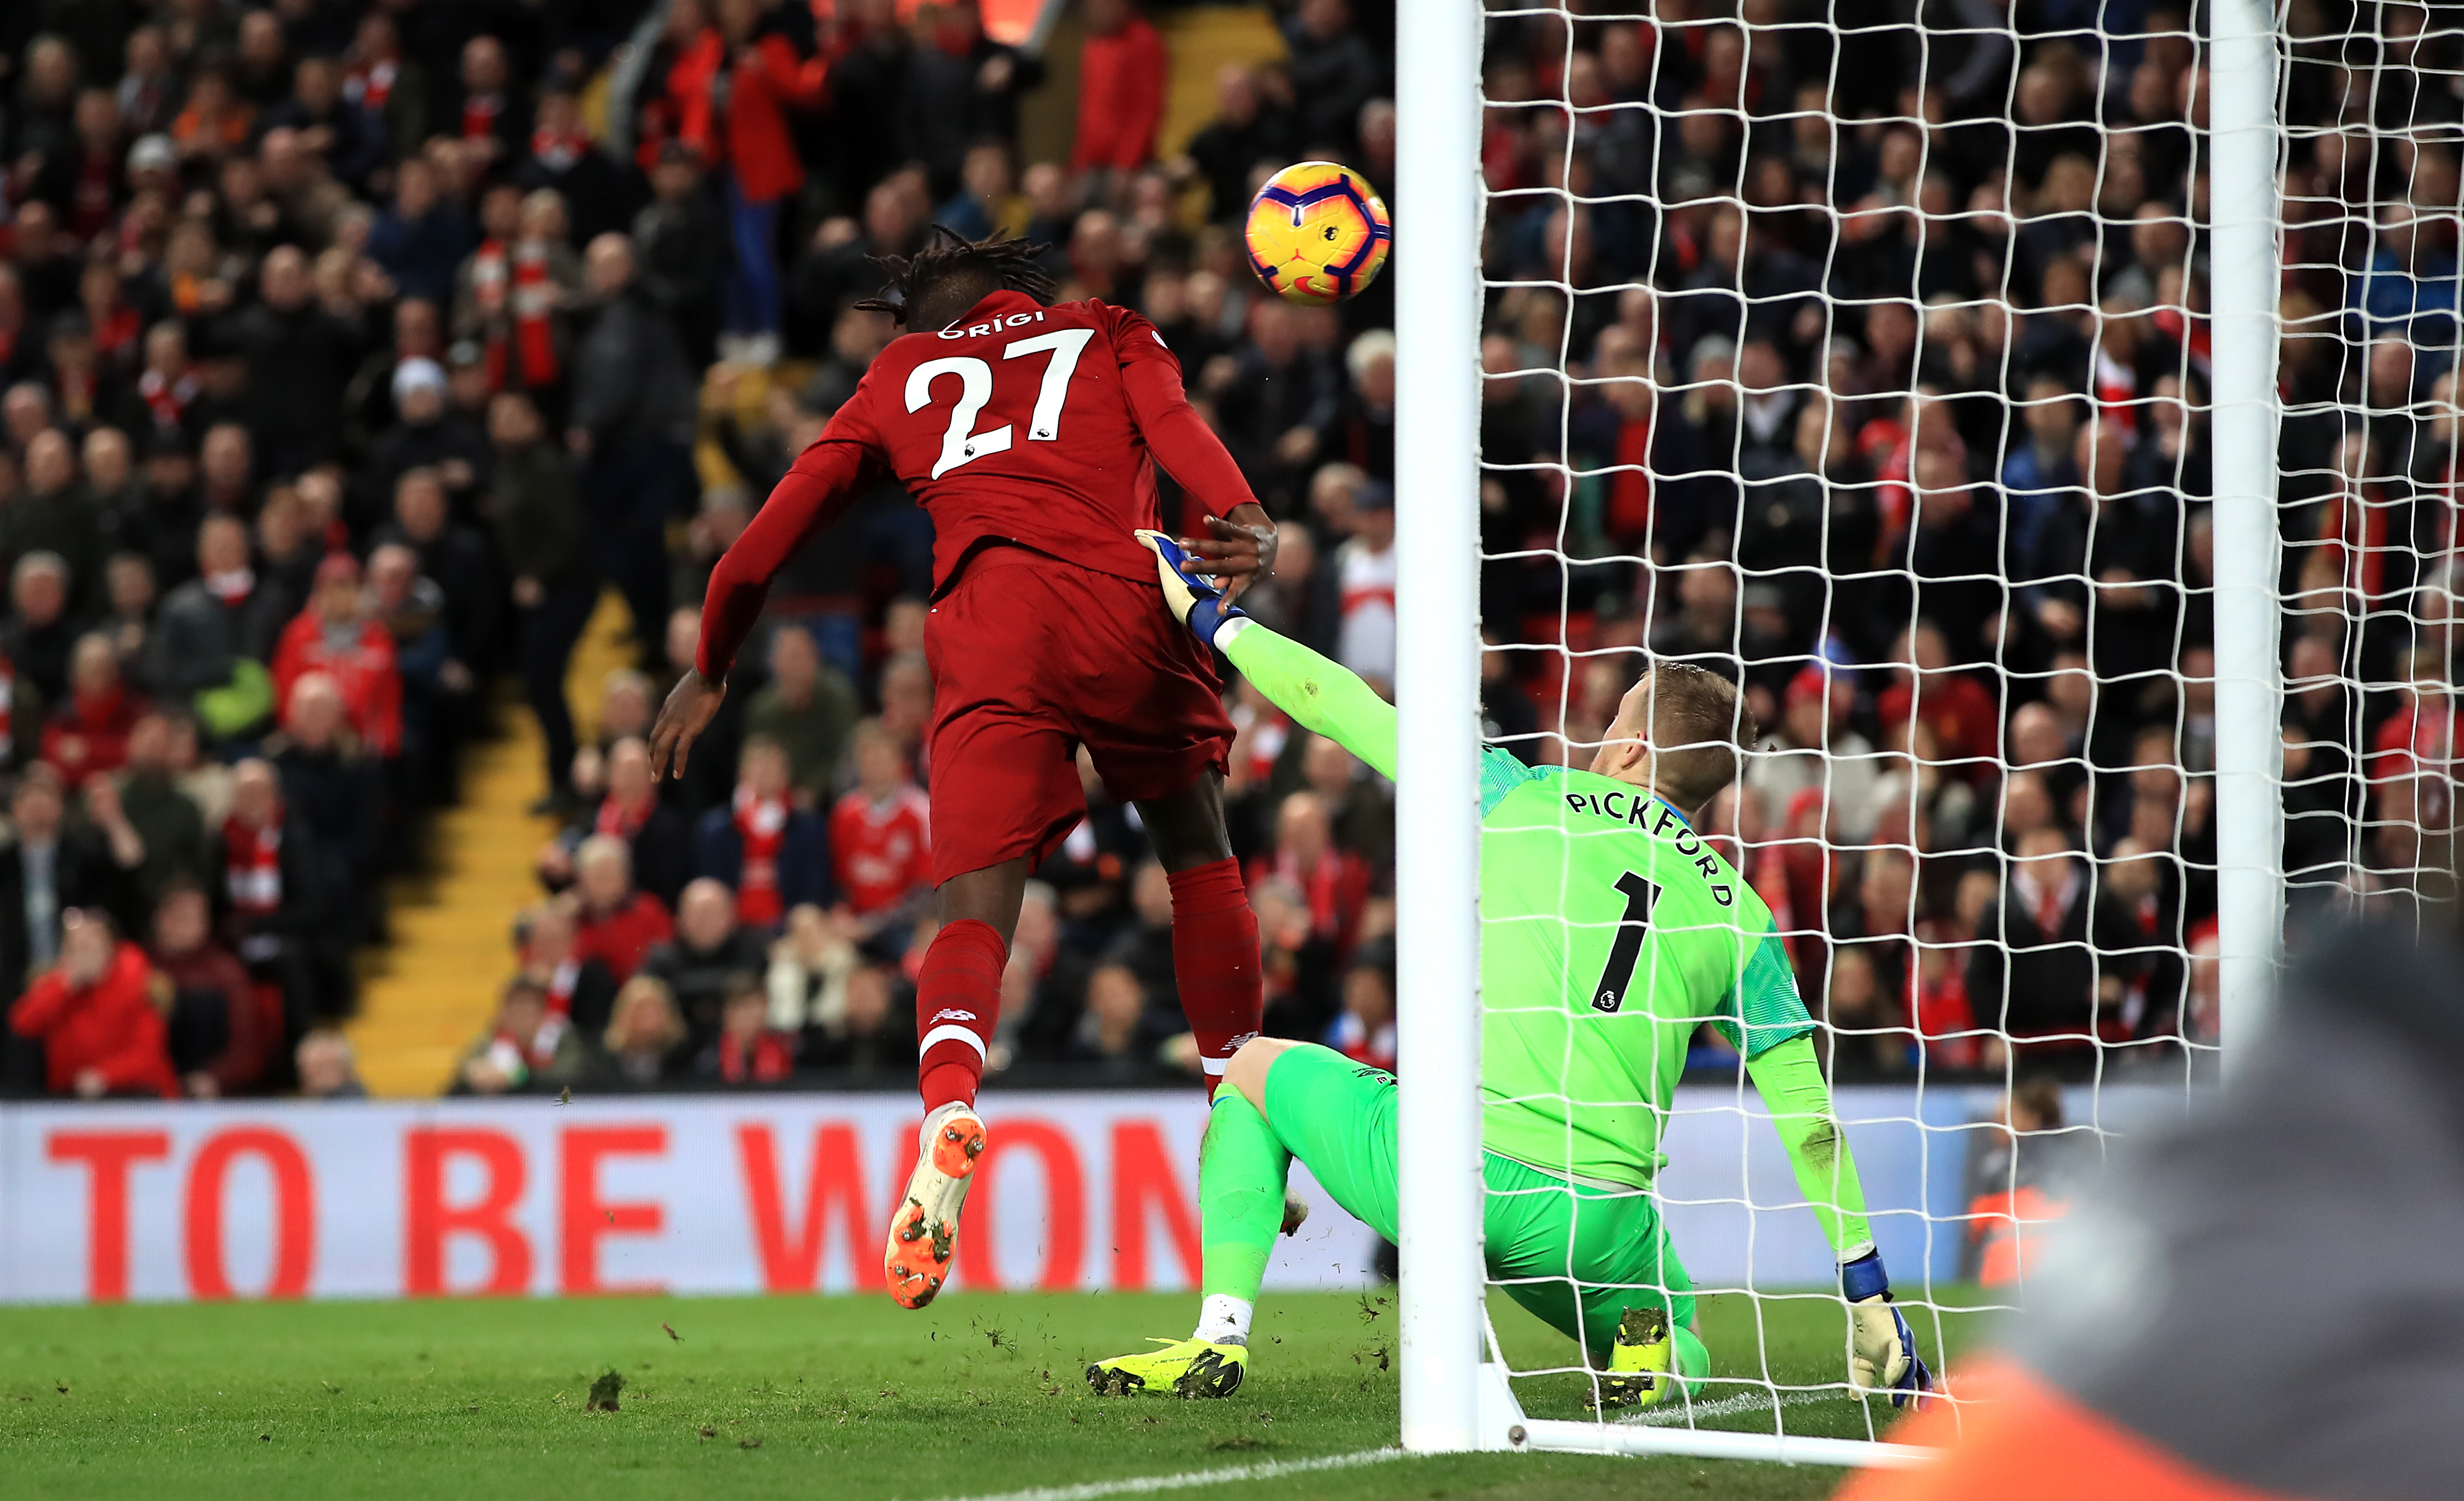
{"points": [[1609, 933]]}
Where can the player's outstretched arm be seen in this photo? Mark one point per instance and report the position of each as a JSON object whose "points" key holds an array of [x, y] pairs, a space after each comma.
{"points": [[834, 470], [1320, 696], [1883, 1358], [1238, 546]]}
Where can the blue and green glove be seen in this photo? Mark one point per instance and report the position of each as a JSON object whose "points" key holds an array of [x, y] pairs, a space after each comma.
{"points": [[1882, 1359], [1195, 600]]}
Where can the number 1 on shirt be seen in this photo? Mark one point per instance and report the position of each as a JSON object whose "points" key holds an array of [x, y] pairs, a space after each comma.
{"points": [[1618, 972]]}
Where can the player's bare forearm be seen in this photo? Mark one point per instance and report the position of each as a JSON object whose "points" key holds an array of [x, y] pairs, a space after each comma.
{"points": [[1238, 551], [1789, 1080], [1322, 697], [690, 706]]}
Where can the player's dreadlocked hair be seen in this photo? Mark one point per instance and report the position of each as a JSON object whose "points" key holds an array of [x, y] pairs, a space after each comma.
{"points": [[1008, 265]]}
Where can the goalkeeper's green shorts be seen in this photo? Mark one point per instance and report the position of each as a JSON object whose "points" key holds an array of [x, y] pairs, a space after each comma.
{"points": [[1575, 1254]]}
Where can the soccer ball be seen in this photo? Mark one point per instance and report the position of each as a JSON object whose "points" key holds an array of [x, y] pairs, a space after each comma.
{"points": [[1317, 234]]}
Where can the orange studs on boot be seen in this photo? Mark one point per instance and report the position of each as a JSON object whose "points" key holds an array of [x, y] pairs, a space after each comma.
{"points": [[924, 1232]]}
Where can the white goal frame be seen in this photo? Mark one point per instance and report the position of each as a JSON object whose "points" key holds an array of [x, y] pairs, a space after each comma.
{"points": [[1453, 1399]]}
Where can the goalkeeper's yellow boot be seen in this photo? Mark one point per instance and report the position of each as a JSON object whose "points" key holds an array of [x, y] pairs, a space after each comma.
{"points": [[1638, 1361], [1185, 1368], [924, 1232]]}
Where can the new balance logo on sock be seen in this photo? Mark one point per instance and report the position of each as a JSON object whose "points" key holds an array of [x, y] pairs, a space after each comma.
{"points": [[958, 999], [1234, 1045]]}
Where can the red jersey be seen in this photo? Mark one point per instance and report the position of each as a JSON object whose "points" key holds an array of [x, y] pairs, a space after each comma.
{"points": [[883, 849], [1018, 423], [1966, 726], [1120, 96], [364, 671], [89, 736], [111, 1026], [2415, 753], [619, 939]]}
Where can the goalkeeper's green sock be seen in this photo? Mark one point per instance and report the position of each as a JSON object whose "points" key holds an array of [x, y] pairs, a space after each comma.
{"points": [[1241, 1170], [1693, 1360]]}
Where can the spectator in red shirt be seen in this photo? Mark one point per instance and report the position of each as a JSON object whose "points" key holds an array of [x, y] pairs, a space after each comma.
{"points": [[1120, 89], [2411, 760], [617, 924], [95, 1015], [1966, 722], [729, 90], [1946, 1023], [338, 634], [88, 735], [881, 836], [1335, 882], [766, 80], [772, 854]]}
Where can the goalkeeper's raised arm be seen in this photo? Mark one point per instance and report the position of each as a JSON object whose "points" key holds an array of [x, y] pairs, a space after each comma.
{"points": [[1322, 697]]}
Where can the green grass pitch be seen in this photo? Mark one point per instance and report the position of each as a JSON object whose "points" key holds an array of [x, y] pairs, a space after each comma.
{"points": [[844, 1398]]}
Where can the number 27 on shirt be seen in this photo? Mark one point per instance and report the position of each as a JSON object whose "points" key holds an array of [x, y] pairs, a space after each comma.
{"points": [[961, 444]]}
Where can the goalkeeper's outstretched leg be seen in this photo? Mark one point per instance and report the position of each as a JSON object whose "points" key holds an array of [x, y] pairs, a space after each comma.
{"points": [[1632, 1310], [1242, 1167]]}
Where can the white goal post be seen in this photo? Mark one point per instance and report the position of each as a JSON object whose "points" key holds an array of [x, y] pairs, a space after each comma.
{"points": [[2249, 692], [1455, 1394], [1437, 679]]}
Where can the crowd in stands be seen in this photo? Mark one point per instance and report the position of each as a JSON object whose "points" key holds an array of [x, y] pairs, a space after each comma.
{"points": [[352, 350], [1889, 401], [761, 918], [1890, 375]]}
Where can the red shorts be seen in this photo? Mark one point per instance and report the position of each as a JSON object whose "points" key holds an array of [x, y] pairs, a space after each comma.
{"points": [[1033, 657]]}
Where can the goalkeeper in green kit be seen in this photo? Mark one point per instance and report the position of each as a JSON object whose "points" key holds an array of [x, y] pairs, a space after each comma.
{"points": [[1609, 933]]}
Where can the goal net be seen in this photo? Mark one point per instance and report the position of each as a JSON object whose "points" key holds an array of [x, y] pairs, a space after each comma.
{"points": [[2372, 107], [1869, 358]]}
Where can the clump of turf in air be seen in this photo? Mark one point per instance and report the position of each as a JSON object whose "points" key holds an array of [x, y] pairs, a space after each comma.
{"points": [[603, 1392]]}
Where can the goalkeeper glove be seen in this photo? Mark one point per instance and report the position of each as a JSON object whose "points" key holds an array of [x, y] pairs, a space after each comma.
{"points": [[1193, 598], [1883, 1358]]}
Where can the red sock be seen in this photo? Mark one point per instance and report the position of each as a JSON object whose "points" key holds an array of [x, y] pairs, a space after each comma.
{"points": [[958, 1000], [1215, 958]]}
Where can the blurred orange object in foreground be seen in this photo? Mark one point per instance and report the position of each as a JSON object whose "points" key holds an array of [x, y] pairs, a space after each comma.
{"points": [[2012, 1437]]}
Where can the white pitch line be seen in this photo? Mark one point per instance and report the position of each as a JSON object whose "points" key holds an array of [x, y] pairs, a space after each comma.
{"points": [[1140, 1485], [1728, 1407], [1273, 1469]]}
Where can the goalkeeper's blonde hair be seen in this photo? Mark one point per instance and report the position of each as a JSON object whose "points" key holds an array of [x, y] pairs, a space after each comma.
{"points": [[1697, 726]]}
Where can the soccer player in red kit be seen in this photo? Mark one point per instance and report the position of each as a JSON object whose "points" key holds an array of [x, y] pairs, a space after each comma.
{"points": [[1029, 433]]}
